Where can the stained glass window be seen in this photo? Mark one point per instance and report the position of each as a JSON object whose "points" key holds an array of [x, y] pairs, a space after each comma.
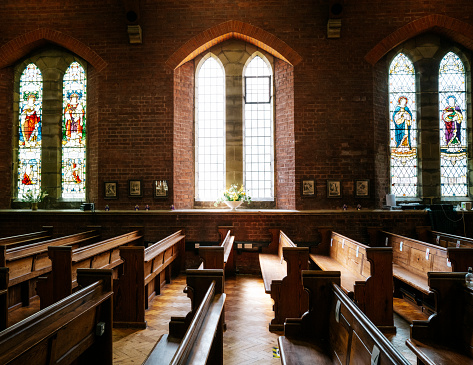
{"points": [[74, 132], [452, 116], [30, 125], [210, 130], [403, 127], [258, 130]]}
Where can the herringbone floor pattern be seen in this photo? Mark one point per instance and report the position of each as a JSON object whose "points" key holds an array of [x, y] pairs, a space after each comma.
{"points": [[248, 311]]}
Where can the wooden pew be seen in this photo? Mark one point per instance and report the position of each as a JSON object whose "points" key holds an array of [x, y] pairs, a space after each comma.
{"points": [[366, 274], [3, 298], [446, 337], [27, 238], [28, 262], [413, 260], [200, 341], [426, 234], [66, 260], [334, 330], [219, 257], [281, 264], [77, 329], [145, 270]]}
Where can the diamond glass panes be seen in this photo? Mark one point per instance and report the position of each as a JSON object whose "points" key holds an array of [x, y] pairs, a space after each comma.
{"points": [[210, 171], [74, 132], [29, 130], [452, 117], [403, 127], [258, 131]]}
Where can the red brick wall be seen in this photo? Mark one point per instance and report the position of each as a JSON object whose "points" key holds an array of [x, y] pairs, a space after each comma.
{"points": [[284, 142], [184, 141], [338, 111]]}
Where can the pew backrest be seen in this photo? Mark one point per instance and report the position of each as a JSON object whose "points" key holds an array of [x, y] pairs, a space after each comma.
{"points": [[216, 257], [425, 233], [80, 323], [421, 257], [27, 238], [30, 261]]}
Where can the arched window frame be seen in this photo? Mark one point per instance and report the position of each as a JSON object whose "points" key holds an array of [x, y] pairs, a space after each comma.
{"points": [[453, 127], [30, 132], [53, 63], [74, 133], [403, 129], [203, 191], [260, 180]]}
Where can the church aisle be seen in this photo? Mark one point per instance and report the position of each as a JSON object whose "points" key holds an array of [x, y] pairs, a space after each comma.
{"points": [[247, 314]]}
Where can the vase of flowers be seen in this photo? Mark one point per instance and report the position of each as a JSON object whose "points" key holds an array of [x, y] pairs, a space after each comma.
{"points": [[234, 197], [34, 197]]}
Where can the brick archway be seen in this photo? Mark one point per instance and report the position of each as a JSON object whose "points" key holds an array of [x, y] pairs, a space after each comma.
{"points": [[452, 28], [19, 47], [228, 30]]}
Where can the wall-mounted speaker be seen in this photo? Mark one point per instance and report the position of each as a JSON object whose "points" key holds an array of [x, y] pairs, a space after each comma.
{"points": [[132, 11]]}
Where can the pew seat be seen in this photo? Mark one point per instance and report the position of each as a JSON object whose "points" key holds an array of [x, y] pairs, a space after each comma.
{"points": [[434, 353]]}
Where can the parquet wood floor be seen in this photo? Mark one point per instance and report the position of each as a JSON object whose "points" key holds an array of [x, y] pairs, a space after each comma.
{"points": [[247, 314]]}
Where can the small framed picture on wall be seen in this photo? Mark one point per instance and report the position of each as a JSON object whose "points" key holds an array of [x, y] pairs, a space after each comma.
{"points": [[110, 190], [308, 188], [362, 188], [334, 189], [134, 188]]}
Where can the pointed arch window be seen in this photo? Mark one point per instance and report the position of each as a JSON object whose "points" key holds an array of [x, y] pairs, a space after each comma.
{"points": [[258, 130], [452, 117], [30, 130], [210, 130], [403, 127], [74, 132]]}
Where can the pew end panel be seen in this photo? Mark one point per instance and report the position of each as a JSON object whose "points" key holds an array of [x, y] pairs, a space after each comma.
{"points": [[446, 337], [374, 296], [284, 291]]}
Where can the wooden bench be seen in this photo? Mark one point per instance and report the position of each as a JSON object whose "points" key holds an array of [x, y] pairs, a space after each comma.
{"points": [[197, 338], [145, 270], [78, 329], [334, 330], [446, 337], [27, 238], [281, 264], [426, 234], [28, 262], [366, 274], [66, 260], [3, 298], [413, 260], [219, 257]]}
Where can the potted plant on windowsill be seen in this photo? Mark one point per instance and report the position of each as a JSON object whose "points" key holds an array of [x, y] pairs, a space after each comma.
{"points": [[34, 197], [234, 197]]}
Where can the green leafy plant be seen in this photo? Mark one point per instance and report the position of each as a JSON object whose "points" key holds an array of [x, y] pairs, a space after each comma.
{"points": [[234, 194], [35, 196]]}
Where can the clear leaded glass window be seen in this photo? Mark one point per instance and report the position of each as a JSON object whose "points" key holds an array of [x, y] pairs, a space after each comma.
{"points": [[74, 132], [403, 127], [258, 130], [30, 111], [210, 131], [452, 116]]}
